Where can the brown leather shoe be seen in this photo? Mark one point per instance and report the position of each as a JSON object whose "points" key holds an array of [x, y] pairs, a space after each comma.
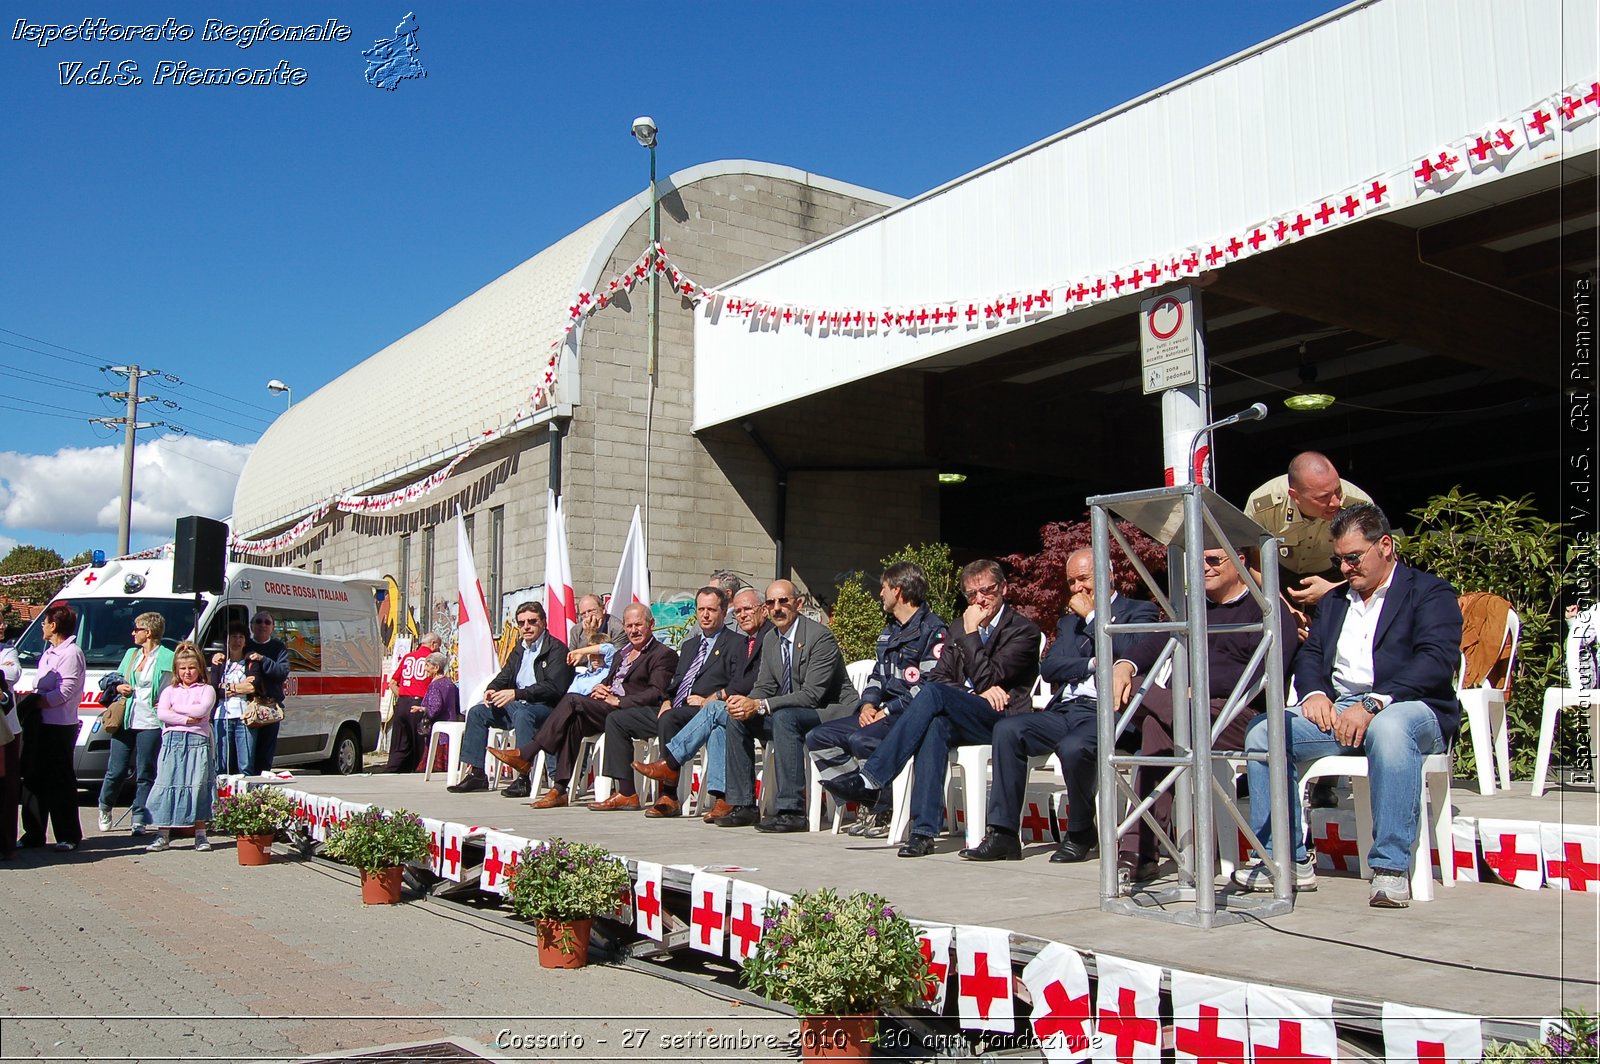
{"points": [[666, 806], [521, 765], [656, 770], [721, 808], [615, 803], [551, 799]]}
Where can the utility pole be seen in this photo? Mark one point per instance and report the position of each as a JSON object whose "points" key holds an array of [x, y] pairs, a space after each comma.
{"points": [[131, 424]]}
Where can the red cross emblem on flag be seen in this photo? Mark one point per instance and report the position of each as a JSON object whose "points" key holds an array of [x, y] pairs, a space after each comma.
{"points": [[1377, 193], [982, 985], [1289, 1046], [1124, 1026]]}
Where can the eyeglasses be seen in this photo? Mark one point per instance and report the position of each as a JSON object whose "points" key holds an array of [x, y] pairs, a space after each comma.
{"points": [[137, 628], [1351, 560], [1214, 561], [781, 600], [988, 591], [532, 622], [260, 624]]}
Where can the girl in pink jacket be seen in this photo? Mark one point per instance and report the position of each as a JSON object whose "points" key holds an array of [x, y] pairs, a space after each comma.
{"points": [[185, 777]]}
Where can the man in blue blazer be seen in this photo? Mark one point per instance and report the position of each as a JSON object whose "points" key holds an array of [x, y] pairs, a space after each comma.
{"points": [[1375, 676]]}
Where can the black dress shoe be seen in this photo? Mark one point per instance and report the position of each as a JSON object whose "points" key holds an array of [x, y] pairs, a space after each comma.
{"points": [[469, 782], [996, 846], [783, 823], [1072, 851], [521, 787], [743, 816], [852, 787], [917, 846]]}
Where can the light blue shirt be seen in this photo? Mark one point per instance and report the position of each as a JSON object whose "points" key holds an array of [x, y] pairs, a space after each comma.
{"points": [[526, 677]]}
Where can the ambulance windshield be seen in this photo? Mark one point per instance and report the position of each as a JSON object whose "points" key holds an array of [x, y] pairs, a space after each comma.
{"points": [[105, 628]]}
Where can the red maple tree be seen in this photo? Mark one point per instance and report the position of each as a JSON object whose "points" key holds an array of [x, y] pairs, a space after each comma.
{"points": [[1037, 585]]}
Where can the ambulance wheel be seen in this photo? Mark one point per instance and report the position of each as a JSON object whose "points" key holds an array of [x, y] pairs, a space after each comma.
{"points": [[346, 759]]}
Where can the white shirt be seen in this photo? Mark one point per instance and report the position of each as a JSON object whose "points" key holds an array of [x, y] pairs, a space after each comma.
{"points": [[1352, 655], [233, 705], [1085, 687]]}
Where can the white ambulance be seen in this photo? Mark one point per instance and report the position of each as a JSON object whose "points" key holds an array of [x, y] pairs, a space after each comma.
{"points": [[329, 624]]}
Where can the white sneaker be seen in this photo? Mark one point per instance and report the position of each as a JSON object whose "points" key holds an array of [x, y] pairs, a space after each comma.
{"points": [[1257, 876], [1390, 890], [105, 820], [160, 844], [202, 844]]}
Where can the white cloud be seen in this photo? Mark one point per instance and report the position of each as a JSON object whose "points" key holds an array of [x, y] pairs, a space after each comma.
{"points": [[6, 543], [79, 489]]}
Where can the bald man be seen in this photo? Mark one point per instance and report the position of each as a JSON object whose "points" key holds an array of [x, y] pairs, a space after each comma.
{"points": [[1297, 507]]}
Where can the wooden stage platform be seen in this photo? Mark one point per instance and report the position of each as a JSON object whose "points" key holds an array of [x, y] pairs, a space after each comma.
{"points": [[1508, 955]]}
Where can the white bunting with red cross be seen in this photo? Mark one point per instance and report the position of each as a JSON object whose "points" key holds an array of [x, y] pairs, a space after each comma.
{"points": [[983, 979], [1127, 1010], [1578, 104], [647, 895], [1464, 836], [708, 912], [1291, 1025], [1037, 825], [1063, 1013], [934, 941], [1429, 1036], [1571, 856], [1539, 122], [500, 855], [453, 841], [747, 907], [435, 830], [1333, 833], [318, 823], [1511, 849], [1210, 1019]]}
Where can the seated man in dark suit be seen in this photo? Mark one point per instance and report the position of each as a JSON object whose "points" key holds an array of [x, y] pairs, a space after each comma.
{"points": [[1376, 676], [987, 669], [535, 676], [1066, 726], [638, 677], [802, 683], [709, 727], [701, 672]]}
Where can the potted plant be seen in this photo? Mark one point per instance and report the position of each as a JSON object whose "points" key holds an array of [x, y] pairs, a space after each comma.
{"points": [[837, 962], [254, 818], [378, 843], [562, 886]]}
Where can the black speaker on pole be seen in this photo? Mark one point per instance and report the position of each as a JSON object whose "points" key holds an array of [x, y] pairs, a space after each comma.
{"points": [[199, 555]]}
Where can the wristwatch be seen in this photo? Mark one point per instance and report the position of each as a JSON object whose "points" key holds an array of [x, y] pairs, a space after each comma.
{"points": [[1370, 704]]}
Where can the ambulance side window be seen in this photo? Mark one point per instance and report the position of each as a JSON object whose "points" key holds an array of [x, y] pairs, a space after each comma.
{"points": [[301, 632]]}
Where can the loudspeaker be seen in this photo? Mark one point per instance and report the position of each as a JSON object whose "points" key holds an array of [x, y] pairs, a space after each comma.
{"points": [[199, 555]]}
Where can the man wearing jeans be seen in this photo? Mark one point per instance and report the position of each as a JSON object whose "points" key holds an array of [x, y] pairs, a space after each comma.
{"points": [[1375, 676]]}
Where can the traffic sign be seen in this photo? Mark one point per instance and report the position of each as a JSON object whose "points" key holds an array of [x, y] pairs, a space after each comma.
{"points": [[1167, 341]]}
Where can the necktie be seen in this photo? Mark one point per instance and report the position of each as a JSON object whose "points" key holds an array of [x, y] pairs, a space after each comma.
{"points": [[750, 648], [983, 635], [788, 667], [694, 671]]}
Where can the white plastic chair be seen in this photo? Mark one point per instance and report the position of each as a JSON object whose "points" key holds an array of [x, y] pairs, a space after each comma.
{"points": [[860, 672], [973, 764], [1582, 691], [453, 731], [498, 739], [1434, 828], [1483, 715]]}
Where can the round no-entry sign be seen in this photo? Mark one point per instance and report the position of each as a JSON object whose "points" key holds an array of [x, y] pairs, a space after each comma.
{"points": [[1165, 318]]}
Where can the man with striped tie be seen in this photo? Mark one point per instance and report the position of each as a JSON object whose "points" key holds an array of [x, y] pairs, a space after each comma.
{"points": [[702, 672], [802, 683]]}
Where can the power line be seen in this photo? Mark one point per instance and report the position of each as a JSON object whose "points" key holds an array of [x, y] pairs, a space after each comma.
{"points": [[49, 354], [40, 379], [215, 406], [175, 379], [52, 406], [39, 413]]}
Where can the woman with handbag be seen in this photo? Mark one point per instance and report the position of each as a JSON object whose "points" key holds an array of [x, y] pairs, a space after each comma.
{"points": [[229, 674], [267, 662], [49, 783], [136, 742], [186, 779]]}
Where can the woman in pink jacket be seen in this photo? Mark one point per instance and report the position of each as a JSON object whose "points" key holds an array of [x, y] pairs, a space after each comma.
{"points": [[185, 776]]}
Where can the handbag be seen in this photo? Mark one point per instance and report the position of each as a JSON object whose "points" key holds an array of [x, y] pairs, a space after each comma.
{"points": [[115, 716], [258, 713]]}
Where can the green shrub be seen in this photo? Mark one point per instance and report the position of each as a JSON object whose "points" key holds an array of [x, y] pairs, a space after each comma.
{"points": [[560, 880], [258, 811], [858, 615], [373, 840], [1572, 1039]]}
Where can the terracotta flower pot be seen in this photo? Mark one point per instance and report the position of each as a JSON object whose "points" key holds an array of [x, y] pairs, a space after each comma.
{"points": [[571, 934], [253, 849], [837, 1037], [382, 887]]}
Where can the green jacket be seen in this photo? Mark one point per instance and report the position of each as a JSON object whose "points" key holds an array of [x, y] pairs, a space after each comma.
{"points": [[163, 676]]}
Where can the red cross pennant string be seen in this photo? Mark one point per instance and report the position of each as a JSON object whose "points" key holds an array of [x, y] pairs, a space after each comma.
{"points": [[647, 895], [1209, 1020], [747, 906], [1063, 1018], [1290, 1026], [934, 941], [1333, 832], [1571, 856], [435, 858], [452, 842], [1127, 1009], [1423, 1035], [708, 912], [1511, 849], [983, 979]]}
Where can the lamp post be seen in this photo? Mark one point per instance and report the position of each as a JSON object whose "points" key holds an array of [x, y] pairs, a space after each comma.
{"points": [[277, 387], [644, 131]]}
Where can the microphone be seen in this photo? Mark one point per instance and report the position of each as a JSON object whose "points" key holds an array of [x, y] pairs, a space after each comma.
{"points": [[1253, 412]]}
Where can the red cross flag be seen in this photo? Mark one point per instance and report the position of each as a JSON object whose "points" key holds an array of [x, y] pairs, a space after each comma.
{"points": [[501, 853], [1291, 1026], [435, 830], [1571, 856], [1127, 1010], [1464, 835], [934, 940], [1333, 833], [1511, 850], [1577, 105], [1209, 1018], [1429, 1036], [983, 979], [1036, 825], [708, 912], [1539, 122], [1062, 1017], [452, 842], [647, 900], [747, 905]]}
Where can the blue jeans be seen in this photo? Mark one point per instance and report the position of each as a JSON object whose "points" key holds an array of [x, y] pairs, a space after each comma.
{"points": [[940, 717], [707, 728], [133, 751], [1397, 740], [523, 718], [231, 739]]}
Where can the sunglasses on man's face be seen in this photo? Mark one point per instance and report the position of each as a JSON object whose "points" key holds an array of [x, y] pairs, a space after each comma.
{"points": [[781, 600]]}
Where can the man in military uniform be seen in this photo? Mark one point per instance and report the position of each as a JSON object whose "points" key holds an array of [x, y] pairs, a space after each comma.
{"points": [[1297, 507]]}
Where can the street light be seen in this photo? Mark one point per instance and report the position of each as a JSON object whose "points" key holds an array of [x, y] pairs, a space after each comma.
{"points": [[277, 387], [644, 131]]}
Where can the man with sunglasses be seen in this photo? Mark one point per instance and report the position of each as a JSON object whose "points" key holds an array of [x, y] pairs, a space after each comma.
{"points": [[1376, 676], [985, 673], [1228, 602], [802, 683], [535, 676]]}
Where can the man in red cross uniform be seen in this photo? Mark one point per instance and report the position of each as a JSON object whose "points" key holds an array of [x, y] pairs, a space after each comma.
{"points": [[1376, 676]]}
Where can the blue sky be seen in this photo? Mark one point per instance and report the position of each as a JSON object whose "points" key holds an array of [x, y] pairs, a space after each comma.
{"points": [[227, 235]]}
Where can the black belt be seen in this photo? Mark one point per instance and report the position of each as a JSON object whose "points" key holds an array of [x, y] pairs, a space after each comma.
{"points": [[1060, 706]]}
